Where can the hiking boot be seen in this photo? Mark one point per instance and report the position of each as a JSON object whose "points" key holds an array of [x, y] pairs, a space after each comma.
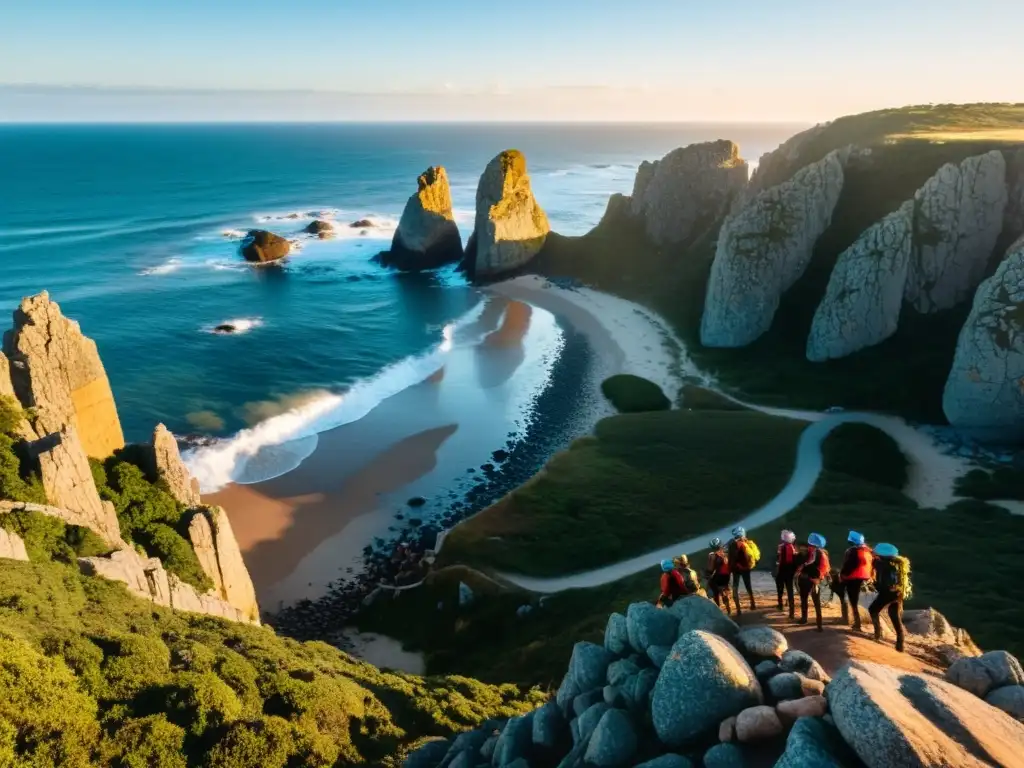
{"points": [[781, 607], [753, 605], [857, 627], [792, 613], [899, 646], [802, 621]]}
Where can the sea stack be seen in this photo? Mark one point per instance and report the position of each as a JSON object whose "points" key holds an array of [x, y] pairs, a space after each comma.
{"points": [[427, 236], [510, 226], [166, 464], [263, 247]]}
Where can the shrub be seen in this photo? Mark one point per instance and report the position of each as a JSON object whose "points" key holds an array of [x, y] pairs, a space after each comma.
{"points": [[241, 676], [133, 664], [268, 742], [50, 538], [83, 657], [16, 483], [866, 453], [11, 414], [1001, 483], [147, 742], [201, 700], [175, 553], [633, 394]]}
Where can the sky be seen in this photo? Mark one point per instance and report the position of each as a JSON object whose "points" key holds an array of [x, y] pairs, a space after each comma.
{"points": [[608, 60]]}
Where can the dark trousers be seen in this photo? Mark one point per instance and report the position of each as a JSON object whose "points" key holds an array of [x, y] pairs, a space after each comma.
{"points": [[850, 591], [784, 582], [893, 602], [810, 588], [719, 586], [745, 575]]}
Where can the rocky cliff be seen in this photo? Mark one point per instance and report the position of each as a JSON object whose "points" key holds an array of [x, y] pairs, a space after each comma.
{"points": [[53, 365], [763, 248], [427, 235], [1014, 225], [165, 464], [685, 193], [217, 549], [862, 304], [984, 394], [958, 217], [511, 227]]}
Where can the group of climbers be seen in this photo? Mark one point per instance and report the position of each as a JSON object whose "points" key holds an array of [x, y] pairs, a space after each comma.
{"points": [[862, 566]]}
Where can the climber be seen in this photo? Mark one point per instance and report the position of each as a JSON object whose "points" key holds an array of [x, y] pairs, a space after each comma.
{"points": [[743, 556], [690, 578], [809, 575], [785, 569], [857, 570], [892, 581], [672, 586], [717, 574]]}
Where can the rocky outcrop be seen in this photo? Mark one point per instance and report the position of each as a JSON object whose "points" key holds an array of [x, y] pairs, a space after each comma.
{"points": [[763, 248], [427, 235], [218, 553], [778, 165], [263, 247], [6, 387], [685, 193], [320, 228], [511, 227], [984, 394], [1013, 225], [11, 546], [166, 465], [958, 217], [862, 304], [55, 367]]}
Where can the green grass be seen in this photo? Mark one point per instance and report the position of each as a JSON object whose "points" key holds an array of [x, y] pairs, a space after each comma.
{"points": [[1000, 483], [92, 676], [634, 394], [642, 481], [701, 399]]}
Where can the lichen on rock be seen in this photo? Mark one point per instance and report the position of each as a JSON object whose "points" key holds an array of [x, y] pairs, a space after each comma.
{"points": [[427, 235]]}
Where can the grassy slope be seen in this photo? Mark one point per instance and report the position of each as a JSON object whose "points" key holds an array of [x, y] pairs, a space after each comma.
{"points": [[119, 676], [965, 563], [642, 481]]}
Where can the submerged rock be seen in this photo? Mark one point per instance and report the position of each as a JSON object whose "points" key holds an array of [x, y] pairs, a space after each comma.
{"points": [[763, 248], [427, 235], [510, 225], [958, 216], [862, 304], [262, 247], [320, 228], [688, 191], [984, 394]]}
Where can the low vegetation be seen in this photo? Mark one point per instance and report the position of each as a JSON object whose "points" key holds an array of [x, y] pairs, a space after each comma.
{"points": [[634, 394], [702, 399], [18, 479], [92, 676], [640, 482], [1000, 483]]}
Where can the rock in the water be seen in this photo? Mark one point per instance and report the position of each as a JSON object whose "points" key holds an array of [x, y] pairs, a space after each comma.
{"points": [[812, 743], [757, 724], [895, 718], [54, 366], [668, 761], [427, 235], [320, 228], [986, 673], [466, 596], [616, 635], [688, 191], [1010, 699], [12, 546], [957, 220], [166, 464], [589, 665], [362, 224], [548, 724], [261, 246], [704, 681], [724, 756], [700, 613], [658, 653], [809, 706], [862, 303], [510, 226], [613, 742], [762, 642], [804, 663], [763, 248], [514, 742], [648, 625], [984, 396], [786, 686]]}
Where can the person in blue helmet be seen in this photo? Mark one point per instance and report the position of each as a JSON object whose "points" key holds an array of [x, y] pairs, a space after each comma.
{"points": [[810, 574], [672, 586], [856, 571], [743, 556], [892, 582]]}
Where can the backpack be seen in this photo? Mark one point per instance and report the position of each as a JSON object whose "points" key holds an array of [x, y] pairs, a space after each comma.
{"points": [[747, 553], [690, 582], [893, 575]]}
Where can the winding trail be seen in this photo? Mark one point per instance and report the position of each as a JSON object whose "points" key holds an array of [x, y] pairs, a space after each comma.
{"points": [[930, 483]]}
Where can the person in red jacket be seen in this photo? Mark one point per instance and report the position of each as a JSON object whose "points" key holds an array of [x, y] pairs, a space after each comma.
{"points": [[741, 563], [785, 569], [672, 585], [810, 574], [857, 569], [718, 574]]}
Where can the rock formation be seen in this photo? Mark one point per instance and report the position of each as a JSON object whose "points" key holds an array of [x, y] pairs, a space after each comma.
{"points": [[763, 248], [166, 464], [685, 193], [262, 247], [510, 226], [217, 549], [1013, 225], [320, 228], [11, 546], [862, 304], [778, 165], [54, 366], [427, 236], [957, 220], [984, 393], [6, 387]]}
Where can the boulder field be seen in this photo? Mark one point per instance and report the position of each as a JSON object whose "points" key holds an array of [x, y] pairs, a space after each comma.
{"points": [[685, 686]]}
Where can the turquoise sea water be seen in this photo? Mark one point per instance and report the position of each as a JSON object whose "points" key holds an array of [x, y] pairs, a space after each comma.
{"points": [[133, 230]]}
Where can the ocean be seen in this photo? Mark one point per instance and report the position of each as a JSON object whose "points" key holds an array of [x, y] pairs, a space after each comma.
{"points": [[134, 230]]}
